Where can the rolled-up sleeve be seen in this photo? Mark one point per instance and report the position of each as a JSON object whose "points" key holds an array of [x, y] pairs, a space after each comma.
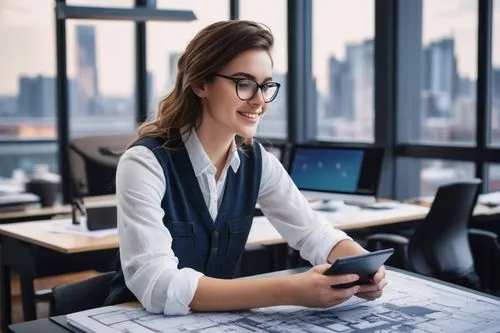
{"points": [[292, 216], [149, 264]]}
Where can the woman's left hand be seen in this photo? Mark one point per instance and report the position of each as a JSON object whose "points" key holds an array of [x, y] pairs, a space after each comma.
{"points": [[379, 280], [374, 290]]}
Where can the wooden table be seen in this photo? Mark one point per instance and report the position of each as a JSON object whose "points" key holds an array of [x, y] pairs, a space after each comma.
{"points": [[41, 213], [59, 324], [34, 252]]}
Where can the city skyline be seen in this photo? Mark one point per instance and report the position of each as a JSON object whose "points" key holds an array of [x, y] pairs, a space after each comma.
{"points": [[25, 32], [105, 72]]}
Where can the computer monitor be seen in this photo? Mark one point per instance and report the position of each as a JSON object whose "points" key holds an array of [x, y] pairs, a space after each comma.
{"points": [[343, 174]]}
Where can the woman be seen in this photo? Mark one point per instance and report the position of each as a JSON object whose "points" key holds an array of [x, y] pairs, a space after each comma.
{"points": [[187, 192]]}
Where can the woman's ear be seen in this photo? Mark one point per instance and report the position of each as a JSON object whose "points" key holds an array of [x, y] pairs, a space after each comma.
{"points": [[199, 89]]}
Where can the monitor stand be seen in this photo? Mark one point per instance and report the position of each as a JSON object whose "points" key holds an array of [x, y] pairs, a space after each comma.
{"points": [[330, 205]]}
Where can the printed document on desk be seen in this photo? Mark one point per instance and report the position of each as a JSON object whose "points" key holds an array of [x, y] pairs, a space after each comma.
{"points": [[409, 304], [67, 227], [394, 211]]}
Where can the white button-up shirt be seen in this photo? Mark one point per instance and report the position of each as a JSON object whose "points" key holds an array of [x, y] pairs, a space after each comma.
{"points": [[150, 266]]}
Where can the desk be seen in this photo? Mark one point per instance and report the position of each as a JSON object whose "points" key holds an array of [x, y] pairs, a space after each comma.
{"points": [[33, 252], [460, 308], [480, 210], [40, 213]]}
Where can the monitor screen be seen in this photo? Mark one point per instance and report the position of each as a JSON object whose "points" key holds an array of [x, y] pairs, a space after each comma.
{"points": [[332, 170]]}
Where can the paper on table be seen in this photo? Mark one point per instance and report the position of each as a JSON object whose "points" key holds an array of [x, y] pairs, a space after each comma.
{"points": [[262, 230], [434, 308], [67, 227], [492, 198]]}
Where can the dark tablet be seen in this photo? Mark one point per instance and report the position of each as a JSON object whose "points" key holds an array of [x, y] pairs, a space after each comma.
{"points": [[365, 265]]}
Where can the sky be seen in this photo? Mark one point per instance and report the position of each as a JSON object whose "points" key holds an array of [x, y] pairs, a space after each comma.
{"points": [[27, 36]]}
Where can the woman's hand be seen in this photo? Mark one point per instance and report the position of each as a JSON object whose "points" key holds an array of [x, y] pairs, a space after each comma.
{"points": [[374, 290], [314, 289], [379, 281]]}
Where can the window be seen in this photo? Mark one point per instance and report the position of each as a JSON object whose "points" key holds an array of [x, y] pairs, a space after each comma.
{"points": [[102, 3], [493, 177], [274, 123], [166, 41], [422, 177], [495, 75], [25, 157], [27, 87], [343, 69], [448, 73], [101, 80]]}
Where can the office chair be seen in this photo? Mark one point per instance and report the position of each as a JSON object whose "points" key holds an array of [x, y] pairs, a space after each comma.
{"points": [[440, 246], [486, 254], [93, 162], [81, 295]]}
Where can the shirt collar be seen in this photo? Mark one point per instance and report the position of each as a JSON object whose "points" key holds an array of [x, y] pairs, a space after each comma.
{"points": [[199, 158]]}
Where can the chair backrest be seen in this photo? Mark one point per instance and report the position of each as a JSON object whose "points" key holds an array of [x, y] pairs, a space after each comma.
{"points": [[93, 162], [82, 295], [440, 246]]}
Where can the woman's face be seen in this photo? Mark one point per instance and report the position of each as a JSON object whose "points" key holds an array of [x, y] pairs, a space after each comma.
{"points": [[224, 110]]}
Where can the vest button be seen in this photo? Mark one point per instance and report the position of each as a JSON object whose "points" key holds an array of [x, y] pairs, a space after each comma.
{"points": [[215, 233], [214, 249]]}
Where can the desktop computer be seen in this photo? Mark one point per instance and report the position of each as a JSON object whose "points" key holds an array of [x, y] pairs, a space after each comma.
{"points": [[337, 175]]}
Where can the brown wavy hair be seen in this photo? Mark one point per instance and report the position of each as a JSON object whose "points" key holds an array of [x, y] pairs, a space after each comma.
{"points": [[208, 52]]}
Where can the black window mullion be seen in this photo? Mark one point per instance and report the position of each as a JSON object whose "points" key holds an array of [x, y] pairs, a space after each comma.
{"points": [[62, 108], [385, 66], [483, 101], [141, 78], [301, 89], [234, 9]]}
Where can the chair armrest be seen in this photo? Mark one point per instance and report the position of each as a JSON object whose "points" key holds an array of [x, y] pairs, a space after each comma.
{"points": [[390, 238], [482, 233], [399, 243]]}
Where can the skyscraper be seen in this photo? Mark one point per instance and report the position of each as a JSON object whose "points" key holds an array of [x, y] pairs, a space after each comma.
{"points": [[88, 89], [37, 97], [351, 83], [440, 76], [173, 59], [341, 105]]}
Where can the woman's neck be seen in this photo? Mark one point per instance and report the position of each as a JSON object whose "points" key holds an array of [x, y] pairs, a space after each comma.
{"points": [[216, 145]]}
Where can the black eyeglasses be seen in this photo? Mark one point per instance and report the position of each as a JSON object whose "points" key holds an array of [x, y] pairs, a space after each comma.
{"points": [[247, 88]]}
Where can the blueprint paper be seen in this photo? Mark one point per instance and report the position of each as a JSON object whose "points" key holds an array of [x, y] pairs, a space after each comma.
{"points": [[409, 304]]}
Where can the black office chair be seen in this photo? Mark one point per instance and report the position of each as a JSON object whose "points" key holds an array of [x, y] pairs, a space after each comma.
{"points": [[486, 254], [93, 162], [440, 246], [80, 296]]}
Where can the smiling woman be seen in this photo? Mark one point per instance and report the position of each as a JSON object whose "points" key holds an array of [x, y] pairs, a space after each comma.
{"points": [[187, 191]]}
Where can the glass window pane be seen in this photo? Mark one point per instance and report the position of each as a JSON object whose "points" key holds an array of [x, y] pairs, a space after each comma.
{"points": [[166, 41], [449, 72], [422, 177], [343, 69], [493, 177], [21, 157], [101, 3], [495, 92], [27, 86], [274, 123], [101, 77]]}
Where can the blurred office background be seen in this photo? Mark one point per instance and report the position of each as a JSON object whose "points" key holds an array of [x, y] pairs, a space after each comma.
{"points": [[420, 78]]}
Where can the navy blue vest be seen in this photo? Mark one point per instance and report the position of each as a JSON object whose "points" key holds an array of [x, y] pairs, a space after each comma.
{"points": [[199, 242]]}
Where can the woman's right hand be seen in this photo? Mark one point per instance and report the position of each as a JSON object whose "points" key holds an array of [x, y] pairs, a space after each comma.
{"points": [[314, 289]]}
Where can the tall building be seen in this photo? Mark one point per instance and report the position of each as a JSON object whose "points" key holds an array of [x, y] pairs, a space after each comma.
{"points": [[495, 81], [88, 89], [440, 76], [361, 64], [173, 59], [37, 97], [351, 83], [341, 103]]}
